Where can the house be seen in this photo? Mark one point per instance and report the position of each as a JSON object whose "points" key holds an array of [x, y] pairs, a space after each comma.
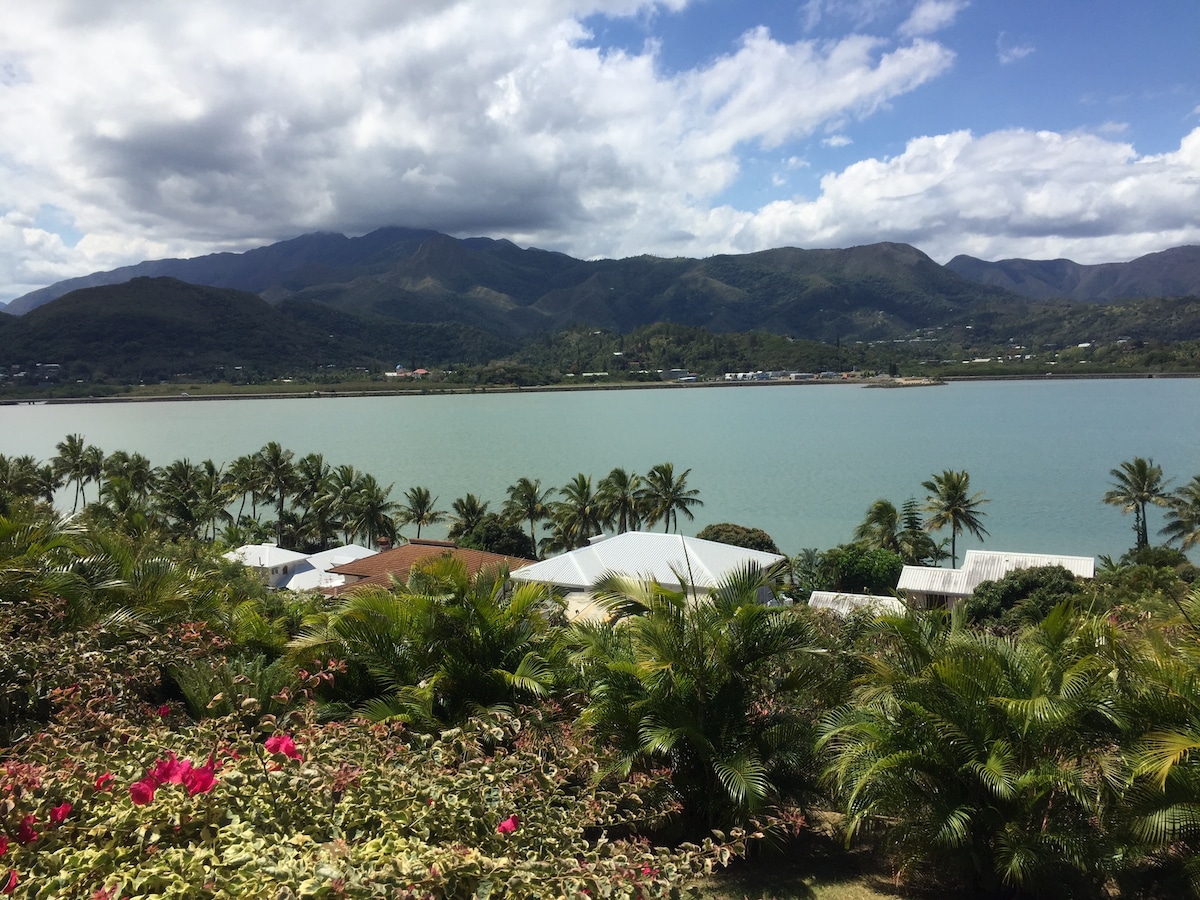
{"points": [[928, 587], [843, 604], [293, 571], [317, 576], [274, 563], [652, 556], [382, 567]]}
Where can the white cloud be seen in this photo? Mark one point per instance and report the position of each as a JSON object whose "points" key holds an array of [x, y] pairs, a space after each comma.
{"points": [[1007, 193], [837, 140], [929, 16], [177, 130], [1009, 50]]}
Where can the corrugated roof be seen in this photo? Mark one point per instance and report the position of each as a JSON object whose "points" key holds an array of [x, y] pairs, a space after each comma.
{"points": [[380, 568], [987, 565], [647, 555], [844, 604], [264, 556]]}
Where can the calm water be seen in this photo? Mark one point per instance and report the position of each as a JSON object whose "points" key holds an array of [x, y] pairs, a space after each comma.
{"points": [[802, 462]]}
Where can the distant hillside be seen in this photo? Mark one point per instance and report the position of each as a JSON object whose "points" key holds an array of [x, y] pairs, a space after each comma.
{"points": [[420, 277], [153, 328], [1171, 273]]}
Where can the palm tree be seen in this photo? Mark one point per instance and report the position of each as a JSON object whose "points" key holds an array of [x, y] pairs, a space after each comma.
{"points": [[620, 494], [70, 464], [1183, 515], [1136, 483], [279, 475], [578, 516], [419, 509], [178, 498], [527, 502], [705, 685], [881, 528], [667, 494], [467, 512], [950, 502], [247, 479], [981, 753], [371, 509]]}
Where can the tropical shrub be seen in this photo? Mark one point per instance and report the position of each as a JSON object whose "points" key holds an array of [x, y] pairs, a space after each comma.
{"points": [[1023, 597], [738, 536], [330, 811]]}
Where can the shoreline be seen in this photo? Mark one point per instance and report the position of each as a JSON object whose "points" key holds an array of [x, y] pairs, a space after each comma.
{"points": [[895, 383]]}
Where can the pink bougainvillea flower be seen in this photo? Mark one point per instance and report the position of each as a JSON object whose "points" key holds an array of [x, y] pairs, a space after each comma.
{"points": [[10, 883], [3, 844], [25, 831], [168, 770], [59, 813], [164, 710], [509, 825], [142, 792], [201, 780], [104, 782], [283, 743]]}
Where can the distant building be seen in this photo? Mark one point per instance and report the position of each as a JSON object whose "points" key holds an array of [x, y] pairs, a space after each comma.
{"points": [[396, 562], [651, 556], [927, 587]]}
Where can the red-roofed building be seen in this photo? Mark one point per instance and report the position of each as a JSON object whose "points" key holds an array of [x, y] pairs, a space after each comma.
{"points": [[395, 563]]}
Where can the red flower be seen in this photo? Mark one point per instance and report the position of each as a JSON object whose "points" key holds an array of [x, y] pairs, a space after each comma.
{"points": [[283, 743], [164, 710], [142, 792], [25, 832], [200, 781], [168, 770], [104, 782], [10, 884], [59, 813], [509, 825], [3, 844]]}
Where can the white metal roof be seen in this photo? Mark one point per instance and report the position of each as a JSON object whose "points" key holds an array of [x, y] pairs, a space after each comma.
{"points": [[987, 565], [264, 556], [648, 555], [844, 604], [316, 575]]}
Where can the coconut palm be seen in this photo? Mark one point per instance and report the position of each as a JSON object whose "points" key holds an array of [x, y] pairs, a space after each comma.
{"points": [[247, 479], [667, 494], [420, 509], [951, 503], [527, 502], [466, 513], [620, 495], [279, 476], [71, 464], [1137, 483], [370, 510], [20, 478], [881, 528], [1183, 515], [578, 516]]}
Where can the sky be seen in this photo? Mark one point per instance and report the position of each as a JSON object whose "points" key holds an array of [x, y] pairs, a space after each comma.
{"points": [[134, 130]]}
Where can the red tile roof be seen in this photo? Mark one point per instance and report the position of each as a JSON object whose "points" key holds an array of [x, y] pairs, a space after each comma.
{"points": [[382, 567]]}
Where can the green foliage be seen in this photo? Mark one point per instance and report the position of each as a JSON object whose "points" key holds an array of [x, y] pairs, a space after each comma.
{"points": [[852, 568], [738, 536], [336, 810], [705, 686], [1023, 597], [495, 535]]}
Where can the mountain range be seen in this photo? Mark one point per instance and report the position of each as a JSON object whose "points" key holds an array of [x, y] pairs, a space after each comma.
{"points": [[418, 296]]}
